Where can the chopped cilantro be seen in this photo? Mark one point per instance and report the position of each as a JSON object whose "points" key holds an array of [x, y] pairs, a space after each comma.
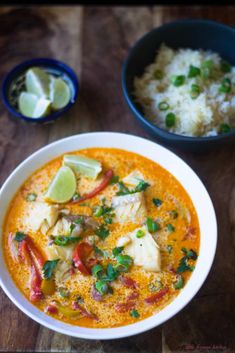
{"points": [[134, 313], [48, 268], [102, 232]]}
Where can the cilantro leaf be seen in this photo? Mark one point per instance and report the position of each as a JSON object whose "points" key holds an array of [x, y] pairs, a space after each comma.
{"points": [[48, 268], [19, 236]]}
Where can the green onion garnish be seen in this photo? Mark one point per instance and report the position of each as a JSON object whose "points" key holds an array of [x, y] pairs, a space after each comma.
{"points": [[170, 119], [225, 66], [194, 91], [178, 80], [99, 211], [140, 233], [163, 106], [151, 225], [225, 128], [158, 74], [102, 287], [97, 270], [193, 71], [125, 261], [207, 67], [225, 86]]}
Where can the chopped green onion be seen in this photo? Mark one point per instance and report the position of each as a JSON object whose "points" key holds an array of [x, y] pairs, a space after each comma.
{"points": [[170, 120], [163, 106], [225, 66], [140, 233], [158, 74], [99, 211], [19, 236], [193, 71], [125, 261], [225, 86], [62, 240], [169, 249], [157, 202], [207, 68], [179, 283], [97, 270], [174, 214], [31, 196], [151, 225], [116, 251], [225, 128], [102, 287], [178, 80], [194, 91], [134, 313], [170, 227], [112, 274]]}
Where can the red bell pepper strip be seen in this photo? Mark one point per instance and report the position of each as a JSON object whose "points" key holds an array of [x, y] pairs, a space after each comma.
{"points": [[81, 252], [107, 176], [34, 259], [156, 297]]}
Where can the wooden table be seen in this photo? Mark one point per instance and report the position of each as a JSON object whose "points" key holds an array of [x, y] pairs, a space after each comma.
{"points": [[95, 41]]}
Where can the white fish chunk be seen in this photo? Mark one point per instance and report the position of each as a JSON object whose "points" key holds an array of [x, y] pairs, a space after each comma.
{"points": [[62, 271], [62, 227], [133, 178], [64, 253], [129, 208], [144, 251], [42, 216]]}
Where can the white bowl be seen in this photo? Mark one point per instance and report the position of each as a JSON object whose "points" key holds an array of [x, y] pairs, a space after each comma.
{"points": [[166, 159]]}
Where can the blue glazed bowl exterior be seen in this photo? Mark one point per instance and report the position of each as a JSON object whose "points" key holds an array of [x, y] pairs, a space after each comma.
{"points": [[195, 34], [40, 62]]}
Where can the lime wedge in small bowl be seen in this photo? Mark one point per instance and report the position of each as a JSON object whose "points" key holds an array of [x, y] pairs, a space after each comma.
{"points": [[60, 94], [37, 82], [62, 187], [32, 106]]}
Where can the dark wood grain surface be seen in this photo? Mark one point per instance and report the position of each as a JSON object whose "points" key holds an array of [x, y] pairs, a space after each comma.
{"points": [[95, 41]]}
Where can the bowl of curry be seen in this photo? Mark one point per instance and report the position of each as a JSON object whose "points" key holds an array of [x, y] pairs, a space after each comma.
{"points": [[104, 235]]}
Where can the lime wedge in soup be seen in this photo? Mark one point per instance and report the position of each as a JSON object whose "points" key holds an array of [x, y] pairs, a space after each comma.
{"points": [[32, 106], [83, 165], [62, 187], [37, 82], [59, 93]]}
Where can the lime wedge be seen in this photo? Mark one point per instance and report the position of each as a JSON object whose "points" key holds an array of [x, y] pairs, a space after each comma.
{"points": [[59, 93], [27, 103], [37, 82], [83, 165], [62, 187], [32, 106], [42, 108]]}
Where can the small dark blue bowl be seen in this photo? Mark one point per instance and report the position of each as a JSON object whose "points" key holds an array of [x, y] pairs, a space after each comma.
{"points": [[195, 34], [58, 68]]}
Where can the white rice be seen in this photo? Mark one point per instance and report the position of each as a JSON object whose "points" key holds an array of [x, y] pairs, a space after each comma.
{"points": [[202, 116]]}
